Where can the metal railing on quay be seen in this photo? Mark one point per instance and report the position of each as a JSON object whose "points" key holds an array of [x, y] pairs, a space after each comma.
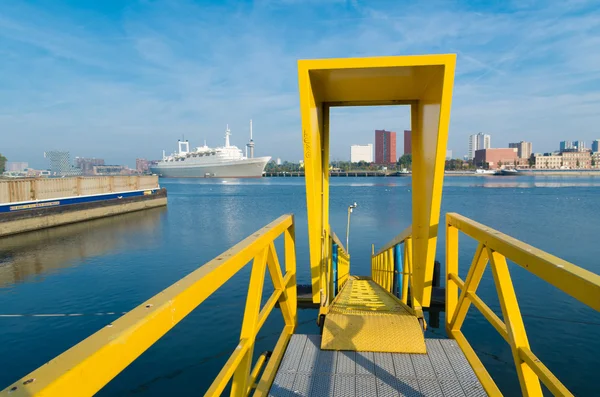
{"points": [[87, 367], [495, 248]]}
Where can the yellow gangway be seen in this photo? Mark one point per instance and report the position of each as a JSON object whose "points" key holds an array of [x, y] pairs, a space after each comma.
{"points": [[373, 341]]}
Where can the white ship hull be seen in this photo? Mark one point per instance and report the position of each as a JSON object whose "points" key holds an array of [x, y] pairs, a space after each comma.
{"points": [[243, 168]]}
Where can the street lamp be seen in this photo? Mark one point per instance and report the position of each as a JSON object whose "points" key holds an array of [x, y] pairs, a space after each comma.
{"points": [[350, 208]]}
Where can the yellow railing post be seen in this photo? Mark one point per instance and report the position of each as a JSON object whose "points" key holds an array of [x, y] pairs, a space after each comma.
{"points": [[530, 383], [473, 278], [451, 268], [496, 248], [85, 368], [409, 261], [405, 270], [390, 270], [290, 267], [239, 385]]}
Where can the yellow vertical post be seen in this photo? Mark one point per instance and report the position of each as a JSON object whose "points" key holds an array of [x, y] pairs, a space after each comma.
{"points": [[407, 279], [530, 383], [373, 259], [289, 241], [311, 110], [239, 384], [451, 268], [476, 271], [382, 268], [377, 263], [430, 117], [391, 269], [331, 292]]}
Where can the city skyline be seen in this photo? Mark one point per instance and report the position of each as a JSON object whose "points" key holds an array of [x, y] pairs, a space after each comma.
{"points": [[100, 79]]}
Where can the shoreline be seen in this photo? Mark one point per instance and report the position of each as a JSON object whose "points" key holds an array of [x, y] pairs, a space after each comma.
{"points": [[532, 173]]}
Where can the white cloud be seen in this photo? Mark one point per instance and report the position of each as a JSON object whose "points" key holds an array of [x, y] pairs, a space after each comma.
{"points": [[129, 84]]}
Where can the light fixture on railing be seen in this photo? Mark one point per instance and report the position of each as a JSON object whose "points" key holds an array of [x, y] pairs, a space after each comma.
{"points": [[350, 208]]}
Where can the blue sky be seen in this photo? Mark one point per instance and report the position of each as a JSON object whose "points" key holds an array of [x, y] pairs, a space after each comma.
{"points": [[126, 79]]}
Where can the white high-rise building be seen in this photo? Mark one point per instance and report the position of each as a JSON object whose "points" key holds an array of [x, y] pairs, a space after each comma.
{"points": [[478, 142], [361, 153]]}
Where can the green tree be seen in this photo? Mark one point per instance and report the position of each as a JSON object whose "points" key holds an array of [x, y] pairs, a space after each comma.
{"points": [[405, 161], [2, 163], [499, 164], [577, 163], [531, 160]]}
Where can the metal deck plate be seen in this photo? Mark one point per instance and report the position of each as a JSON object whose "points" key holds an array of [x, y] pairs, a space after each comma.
{"points": [[365, 317], [307, 370]]}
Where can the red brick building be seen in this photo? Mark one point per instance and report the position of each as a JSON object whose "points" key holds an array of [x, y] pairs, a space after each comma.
{"points": [[491, 157], [385, 147], [407, 142]]}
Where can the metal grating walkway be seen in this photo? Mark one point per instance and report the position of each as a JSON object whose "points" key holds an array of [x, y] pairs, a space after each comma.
{"points": [[308, 371], [365, 317]]}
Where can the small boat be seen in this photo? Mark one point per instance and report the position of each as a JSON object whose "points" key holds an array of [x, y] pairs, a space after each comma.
{"points": [[484, 172], [507, 171]]}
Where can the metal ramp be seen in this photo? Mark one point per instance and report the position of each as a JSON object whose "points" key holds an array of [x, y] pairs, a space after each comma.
{"points": [[365, 317], [308, 371]]}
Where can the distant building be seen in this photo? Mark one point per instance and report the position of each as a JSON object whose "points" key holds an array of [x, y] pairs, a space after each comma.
{"points": [[548, 160], [578, 159], [596, 146], [448, 154], [15, 166], [568, 159], [595, 162], [478, 142], [524, 149], [278, 162], [86, 165], [111, 170], [360, 153], [495, 158], [565, 145], [385, 147], [142, 166], [407, 142], [579, 146], [60, 163]]}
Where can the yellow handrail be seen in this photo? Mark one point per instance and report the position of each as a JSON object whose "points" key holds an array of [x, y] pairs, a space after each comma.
{"points": [[383, 269], [343, 263], [495, 247], [87, 367]]}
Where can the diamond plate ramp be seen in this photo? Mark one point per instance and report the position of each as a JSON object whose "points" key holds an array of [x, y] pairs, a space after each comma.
{"points": [[365, 317]]}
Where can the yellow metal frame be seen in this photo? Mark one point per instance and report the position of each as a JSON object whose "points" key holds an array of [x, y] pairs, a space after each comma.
{"points": [[343, 263], [383, 269], [494, 248], [87, 367], [425, 83]]}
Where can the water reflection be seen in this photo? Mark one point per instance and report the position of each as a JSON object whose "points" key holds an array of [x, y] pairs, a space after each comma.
{"points": [[524, 182], [30, 254]]}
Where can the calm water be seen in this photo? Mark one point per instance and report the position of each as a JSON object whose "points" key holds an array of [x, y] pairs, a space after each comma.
{"points": [[114, 264]]}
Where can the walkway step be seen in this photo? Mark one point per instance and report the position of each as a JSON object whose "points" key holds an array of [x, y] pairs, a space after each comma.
{"points": [[307, 371], [365, 317]]}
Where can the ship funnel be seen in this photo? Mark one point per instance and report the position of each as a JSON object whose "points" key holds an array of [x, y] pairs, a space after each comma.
{"points": [[250, 145], [184, 147], [227, 133]]}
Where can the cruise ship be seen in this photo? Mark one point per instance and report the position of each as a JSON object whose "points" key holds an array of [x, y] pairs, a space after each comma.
{"points": [[204, 162]]}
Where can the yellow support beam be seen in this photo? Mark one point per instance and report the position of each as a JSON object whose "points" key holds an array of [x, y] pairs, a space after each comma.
{"points": [[85, 368], [577, 282], [425, 83], [530, 383], [496, 248]]}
